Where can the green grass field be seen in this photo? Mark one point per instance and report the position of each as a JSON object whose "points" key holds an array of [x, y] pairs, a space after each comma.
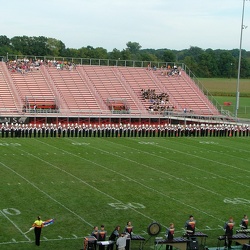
{"points": [[224, 90], [226, 86], [82, 182]]}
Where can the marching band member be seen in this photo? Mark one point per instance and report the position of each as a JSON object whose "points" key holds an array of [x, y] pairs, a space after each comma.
{"points": [[170, 235], [244, 222], [129, 228], [190, 225], [228, 228], [95, 232], [102, 237], [114, 235]]}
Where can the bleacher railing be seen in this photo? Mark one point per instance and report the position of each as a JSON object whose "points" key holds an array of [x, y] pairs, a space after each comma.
{"points": [[92, 61]]}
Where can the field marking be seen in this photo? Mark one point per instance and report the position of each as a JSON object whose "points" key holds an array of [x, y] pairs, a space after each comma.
{"points": [[188, 165], [42, 240], [208, 172], [216, 193], [75, 177], [15, 225], [203, 158], [139, 183], [159, 192], [108, 169], [87, 184], [50, 197], [213, 151]]}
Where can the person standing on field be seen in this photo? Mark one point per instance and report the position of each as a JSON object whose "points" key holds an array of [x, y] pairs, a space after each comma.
{"points": [[38, 225], [228, 228]]}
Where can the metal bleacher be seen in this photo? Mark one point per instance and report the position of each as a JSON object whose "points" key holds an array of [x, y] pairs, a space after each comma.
{"points": [[88, 88]]}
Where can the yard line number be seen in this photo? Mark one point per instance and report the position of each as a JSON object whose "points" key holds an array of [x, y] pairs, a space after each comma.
{"points": [[118, 205], [11, 211], [10, 144], [147, 142], [236, 201], [80, 143]]}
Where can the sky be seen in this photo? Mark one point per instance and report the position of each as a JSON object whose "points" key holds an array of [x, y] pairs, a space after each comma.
{"points": [[154, 24]]}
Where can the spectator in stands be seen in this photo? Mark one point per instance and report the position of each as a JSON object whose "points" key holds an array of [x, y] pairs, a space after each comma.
{"points": [[158, 102], [23, 65]]}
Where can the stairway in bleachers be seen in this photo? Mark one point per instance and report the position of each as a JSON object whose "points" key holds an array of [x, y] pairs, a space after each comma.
{"points": [[139, 79], [32, 87], [74, 90], [8, 100], [110, 86], [186, 94]]}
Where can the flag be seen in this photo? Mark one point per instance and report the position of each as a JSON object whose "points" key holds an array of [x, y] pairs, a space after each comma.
{"points": [[48, 222]]}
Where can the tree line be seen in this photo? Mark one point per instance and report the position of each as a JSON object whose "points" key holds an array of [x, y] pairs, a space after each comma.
{"points": [[202, 62]]}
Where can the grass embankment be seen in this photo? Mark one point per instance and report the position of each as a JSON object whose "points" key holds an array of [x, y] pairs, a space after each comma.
{"points": [[224, 91]]}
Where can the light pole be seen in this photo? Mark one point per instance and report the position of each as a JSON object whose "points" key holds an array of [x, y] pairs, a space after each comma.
{"points": [[238, 78]]}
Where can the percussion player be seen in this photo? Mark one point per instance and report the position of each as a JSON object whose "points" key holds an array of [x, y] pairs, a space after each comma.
{"points": [[190, 225], [114, 235], [244, 222], [102, 237], [228, 227], [129, 228], [170, 235]]}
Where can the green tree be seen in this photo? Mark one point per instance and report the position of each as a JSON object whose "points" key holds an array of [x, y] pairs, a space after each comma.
{"points": [[245, 68], [4, 41], [192, 64], [115, 54], [21, 44], [55, 47], [195, 52], [126, 55], [100, 53], [168, 56], [133, 47], [148, 57], [225, 61], [38, 46]]}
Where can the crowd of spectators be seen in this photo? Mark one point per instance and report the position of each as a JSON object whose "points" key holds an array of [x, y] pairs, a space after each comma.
{"points": [[61, 65], [167, 70], [171, 71], [24, 65], [157, 102]]}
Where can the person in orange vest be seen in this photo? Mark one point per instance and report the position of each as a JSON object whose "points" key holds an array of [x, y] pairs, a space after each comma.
{"points": [[38, 225]]}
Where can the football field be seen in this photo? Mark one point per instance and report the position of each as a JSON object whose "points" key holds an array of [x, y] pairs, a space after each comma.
{"points": [[83, 182]]}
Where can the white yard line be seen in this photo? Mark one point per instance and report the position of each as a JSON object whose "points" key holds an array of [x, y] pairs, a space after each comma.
{"points": [[13, 223], [46, 194]]}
